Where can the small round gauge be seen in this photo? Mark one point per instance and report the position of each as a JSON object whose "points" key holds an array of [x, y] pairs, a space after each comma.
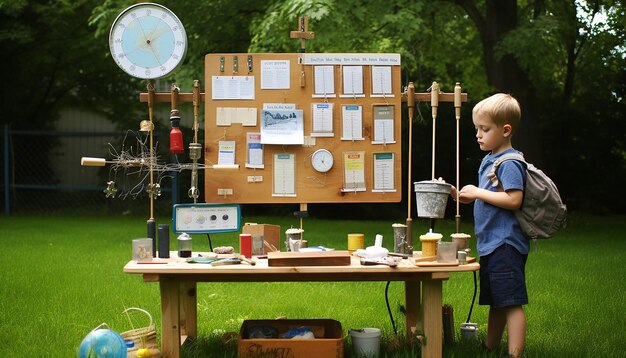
{"points": [[147, 41], [322, 160]]}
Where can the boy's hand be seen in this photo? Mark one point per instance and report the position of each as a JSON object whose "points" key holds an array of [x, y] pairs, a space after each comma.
{"points": [[468, 194], [464, 197]]}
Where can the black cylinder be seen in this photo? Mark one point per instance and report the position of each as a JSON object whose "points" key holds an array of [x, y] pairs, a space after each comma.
{"points": [[152, 235], [164, 241]]}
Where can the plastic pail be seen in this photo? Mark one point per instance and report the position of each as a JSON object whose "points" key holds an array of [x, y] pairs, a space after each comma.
{"points": [[366, 341]]}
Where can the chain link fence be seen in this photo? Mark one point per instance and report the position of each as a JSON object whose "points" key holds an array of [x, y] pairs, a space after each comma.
{"points": [[42, 174]]}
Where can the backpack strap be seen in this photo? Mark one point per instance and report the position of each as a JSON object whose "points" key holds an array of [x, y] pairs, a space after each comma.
{"points": [[509, 156]]}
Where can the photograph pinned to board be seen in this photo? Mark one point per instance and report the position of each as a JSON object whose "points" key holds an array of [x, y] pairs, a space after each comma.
{"points": [[284, 175], [353, 171], [383, 124], [384, 172], [282, 127], [322, 118]]}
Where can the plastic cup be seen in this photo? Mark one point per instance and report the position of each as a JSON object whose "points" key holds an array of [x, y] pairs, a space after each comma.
{"points": [[142, 250], [355, 242], [446, 252]]}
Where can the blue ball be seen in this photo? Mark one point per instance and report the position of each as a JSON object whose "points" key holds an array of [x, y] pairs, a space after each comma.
{"points": [[102, 343]]}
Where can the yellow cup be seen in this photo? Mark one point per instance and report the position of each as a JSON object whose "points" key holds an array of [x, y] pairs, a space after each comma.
{"points": [[355, 242], [429, 243]]}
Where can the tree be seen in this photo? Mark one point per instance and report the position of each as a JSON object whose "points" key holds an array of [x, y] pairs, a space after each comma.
{"points": [[564, 60]]}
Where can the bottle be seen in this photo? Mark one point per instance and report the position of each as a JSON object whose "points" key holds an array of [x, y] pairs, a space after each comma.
{"points": [[184, 245]]}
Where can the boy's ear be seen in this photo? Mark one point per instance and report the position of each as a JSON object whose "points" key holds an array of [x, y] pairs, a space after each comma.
{"points": [[507, 130]]}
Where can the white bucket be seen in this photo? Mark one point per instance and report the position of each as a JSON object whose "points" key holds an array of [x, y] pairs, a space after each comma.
{"points": [[431, 197], [366, 341]]}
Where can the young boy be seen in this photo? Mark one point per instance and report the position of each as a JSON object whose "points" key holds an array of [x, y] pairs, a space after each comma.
{"points": [[502, 247]]}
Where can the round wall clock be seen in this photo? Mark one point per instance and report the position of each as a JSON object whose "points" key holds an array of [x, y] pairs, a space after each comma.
{"points": [[148, 41], [322, 160]]}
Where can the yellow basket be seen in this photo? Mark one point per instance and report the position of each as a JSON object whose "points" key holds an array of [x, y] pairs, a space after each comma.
{"points": [[144, 337]]}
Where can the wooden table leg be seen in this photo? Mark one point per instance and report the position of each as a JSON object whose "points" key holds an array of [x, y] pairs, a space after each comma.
{"points": [[432, 314], [188, 310], [170, 319], [412, 305]]}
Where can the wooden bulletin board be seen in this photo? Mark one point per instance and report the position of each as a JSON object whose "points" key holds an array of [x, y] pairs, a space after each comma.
{"points": [[232, 112]]}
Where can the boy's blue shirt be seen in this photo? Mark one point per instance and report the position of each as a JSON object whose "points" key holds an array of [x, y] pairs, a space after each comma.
{"points": [[495, 226]]}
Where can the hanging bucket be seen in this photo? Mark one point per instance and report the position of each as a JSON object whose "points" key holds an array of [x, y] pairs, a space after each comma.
{"points": [[431, 197]]}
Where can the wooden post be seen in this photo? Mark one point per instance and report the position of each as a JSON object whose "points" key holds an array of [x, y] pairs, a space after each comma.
{"points": [[411, 106], [457, 113], [151, 156], [303, 34]]}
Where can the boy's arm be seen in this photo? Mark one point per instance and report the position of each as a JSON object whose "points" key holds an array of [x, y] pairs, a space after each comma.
{"points": [[510, 200]]}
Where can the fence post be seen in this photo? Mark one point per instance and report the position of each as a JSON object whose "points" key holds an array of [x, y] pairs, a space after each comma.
{"points": [[7, 174]]}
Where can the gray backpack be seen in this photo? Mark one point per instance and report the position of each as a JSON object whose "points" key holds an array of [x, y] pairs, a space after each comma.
{"points": [[542, 213]]}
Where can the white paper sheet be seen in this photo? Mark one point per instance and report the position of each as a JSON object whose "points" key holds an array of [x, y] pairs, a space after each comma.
{"points": [[383, 124], [324, 80], [383, 131], [352, 122], [226, 116], [284, 175], [352, 80], [282, 106], [232, 87], [322, 120], [353, 171], [381, 80], [226, 154], [384, 171], [275, 74], [255, 150]]}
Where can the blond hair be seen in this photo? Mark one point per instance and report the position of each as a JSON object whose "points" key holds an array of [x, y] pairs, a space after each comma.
{"points": [[502, 108]]}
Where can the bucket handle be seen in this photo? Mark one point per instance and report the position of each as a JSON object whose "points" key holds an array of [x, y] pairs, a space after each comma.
{"points": [[140, 310]]}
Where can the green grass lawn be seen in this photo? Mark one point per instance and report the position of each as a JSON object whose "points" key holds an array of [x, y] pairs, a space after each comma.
{"points": [[62, 276]]}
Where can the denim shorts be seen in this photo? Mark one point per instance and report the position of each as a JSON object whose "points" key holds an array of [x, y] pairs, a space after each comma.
{"points": [[503, 278]]}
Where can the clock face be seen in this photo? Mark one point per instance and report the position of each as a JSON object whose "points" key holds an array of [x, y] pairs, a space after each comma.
{"points": [[322, 160], [148, 41]]}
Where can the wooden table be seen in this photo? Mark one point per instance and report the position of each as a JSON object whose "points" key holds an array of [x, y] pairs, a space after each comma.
{"points": [[178, 279]]}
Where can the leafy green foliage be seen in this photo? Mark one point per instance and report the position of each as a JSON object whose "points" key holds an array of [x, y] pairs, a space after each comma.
{"points": [[565, 60]]}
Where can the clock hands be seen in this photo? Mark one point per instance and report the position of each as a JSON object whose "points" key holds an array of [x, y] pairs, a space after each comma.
{"points": [[148, 42]]}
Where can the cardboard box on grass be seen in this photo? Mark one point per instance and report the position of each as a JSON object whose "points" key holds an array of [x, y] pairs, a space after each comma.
{"points": [[262, 232], [328, 342]]}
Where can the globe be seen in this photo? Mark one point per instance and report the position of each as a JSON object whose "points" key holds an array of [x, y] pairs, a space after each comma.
{"points": [[102, 343]]}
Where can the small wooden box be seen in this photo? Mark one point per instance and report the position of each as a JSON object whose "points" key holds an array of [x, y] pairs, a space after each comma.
{"points": [[262, 232], [328, 342]]}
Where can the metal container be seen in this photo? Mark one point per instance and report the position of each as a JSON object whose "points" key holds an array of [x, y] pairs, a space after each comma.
{"points": [[461, 240], [400, 245], [431, 197]]}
